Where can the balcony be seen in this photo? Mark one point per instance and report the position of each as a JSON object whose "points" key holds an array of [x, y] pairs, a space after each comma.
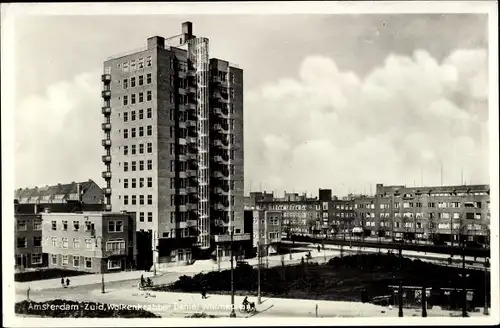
{"points": [[106, 142], [106, 110], [106, 126], [191, 207], [221, 112], [182, 125], [107, 207], [191, 105], [182, 158], [106, 93], [107, 191], [220, 144], [221, 191], [191, 140], [221, 207], [106, 175], [182, 175], [182, 191], [182, 208], [182, 74], [181, 108], [221, 159], [106, 158], [191, 173], [182, 141], [106, 77], [192, 190], [191, 72], [191, 89], [115, 252], [181, 91]]}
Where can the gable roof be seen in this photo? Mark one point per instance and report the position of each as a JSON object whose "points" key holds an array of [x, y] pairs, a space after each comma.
{"points": [[51, 191]]}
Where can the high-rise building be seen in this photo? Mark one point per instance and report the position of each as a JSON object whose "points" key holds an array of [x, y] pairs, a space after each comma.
{"points": [[174, 144]]}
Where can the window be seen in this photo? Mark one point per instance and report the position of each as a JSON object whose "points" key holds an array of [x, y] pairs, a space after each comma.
{"points": [[88, 262], [140, 63], [141, 131], [125, 100], [125, 117], [149, 130], [132, 132], [64, 242], [441, 205], [171, 100], [141, 80], [76, 261], [115, 226], [76, 243], [150, 216], [54, 259], [141, 97], [132, 115], [133, 166], [141, 163], [150, 147], [132, 65], [148, 78], [148, 96], [65, 225], [150, 199], [125, 83], [37, 241], [125, 150], [141, 182], [22, 225], [133, 183], [65, 260], [141, 216], [37, 225], [54, 241], [149, 113], [148, 61], [141, 199], [172, 166], [431, 205], [125, 134], [134, 199], [114, 264], [88, 243], [141, 114], [172, 183], [172, 149], [125, 67], [76, 225], [150, 164], [150, 182], [132, 99], [125, 200], [133, 149], [125, 166]]}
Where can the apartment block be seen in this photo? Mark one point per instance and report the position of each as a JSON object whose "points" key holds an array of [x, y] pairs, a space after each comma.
{"points": [[87, 192], [89, 241], [173, 141], [267, 230]]}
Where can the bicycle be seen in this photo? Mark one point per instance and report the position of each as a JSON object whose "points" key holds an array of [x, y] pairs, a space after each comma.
{"points": [[250, 309]]}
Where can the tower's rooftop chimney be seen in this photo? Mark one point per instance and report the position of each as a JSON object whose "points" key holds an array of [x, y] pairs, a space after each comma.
{"points": [[187, 28]]}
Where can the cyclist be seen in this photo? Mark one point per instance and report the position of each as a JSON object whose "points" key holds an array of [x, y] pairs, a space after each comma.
{"points": [[245, 303]]}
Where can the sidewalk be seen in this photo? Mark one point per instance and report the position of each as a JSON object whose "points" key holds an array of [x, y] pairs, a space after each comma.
{"points": [[82, 280]]}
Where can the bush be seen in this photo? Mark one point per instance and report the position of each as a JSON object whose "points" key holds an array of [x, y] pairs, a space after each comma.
{"points": [[59, 308], [44, 274]]}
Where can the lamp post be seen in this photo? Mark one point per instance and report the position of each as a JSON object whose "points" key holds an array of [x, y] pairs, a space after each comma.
{"points": [[103, 289], [486, 291], [400, 289], [258, 273], [232, 314]]}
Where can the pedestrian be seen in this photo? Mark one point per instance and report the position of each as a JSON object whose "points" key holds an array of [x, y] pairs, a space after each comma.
{"points": [[203, 292], [316, 310], [62, 281], [67, 282], [319, 248], [302, 260], [142, 280]]}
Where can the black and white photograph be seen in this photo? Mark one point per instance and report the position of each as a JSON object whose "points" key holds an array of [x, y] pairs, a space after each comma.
{"points": [[244, 163]]}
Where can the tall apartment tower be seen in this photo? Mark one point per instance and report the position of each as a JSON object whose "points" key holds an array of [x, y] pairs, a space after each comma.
{"points": [[174, 144]]}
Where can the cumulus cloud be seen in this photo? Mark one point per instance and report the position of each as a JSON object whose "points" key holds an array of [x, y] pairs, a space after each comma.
{"points": [[405, 119], [58, 134]]}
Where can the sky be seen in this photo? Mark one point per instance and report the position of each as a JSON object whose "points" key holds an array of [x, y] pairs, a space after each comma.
{"points": [[331, 101]]}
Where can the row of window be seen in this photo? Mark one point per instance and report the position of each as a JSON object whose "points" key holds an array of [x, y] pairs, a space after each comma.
{"points": [[22, 225], [137, 98], [113, 225], [36, 258], [140, 114], [90, 243], [468, 216], [111, 263], [140, 130], [133, 200], [148, 148], [419, 205], [132, 65], [22, 242], [140, 81], [133, 165], [134, 184]]}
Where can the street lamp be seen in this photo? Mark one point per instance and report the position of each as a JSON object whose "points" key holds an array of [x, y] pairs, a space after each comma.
{"points": [[486, 291], [232, 314], [103, 289], [400, 289], [258, 272]]}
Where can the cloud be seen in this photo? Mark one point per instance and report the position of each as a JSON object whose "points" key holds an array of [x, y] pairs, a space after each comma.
{"points": [[58, 134], [325, 128]]}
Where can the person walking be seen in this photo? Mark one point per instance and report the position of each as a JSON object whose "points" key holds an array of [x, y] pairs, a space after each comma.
{"points": [[62, 281], [67, 282]]}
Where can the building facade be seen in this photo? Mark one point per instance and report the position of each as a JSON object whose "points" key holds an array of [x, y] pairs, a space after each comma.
{"points": [[87, 192], [173, 125], [267, 230], [28, 230], [91, 242]]}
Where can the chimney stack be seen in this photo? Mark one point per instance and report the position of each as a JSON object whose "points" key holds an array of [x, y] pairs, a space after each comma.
{"points": [[79, 192]]}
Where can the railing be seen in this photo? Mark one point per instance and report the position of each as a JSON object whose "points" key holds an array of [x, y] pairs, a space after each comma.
{"points": [[111, 252], [126, 53]]}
